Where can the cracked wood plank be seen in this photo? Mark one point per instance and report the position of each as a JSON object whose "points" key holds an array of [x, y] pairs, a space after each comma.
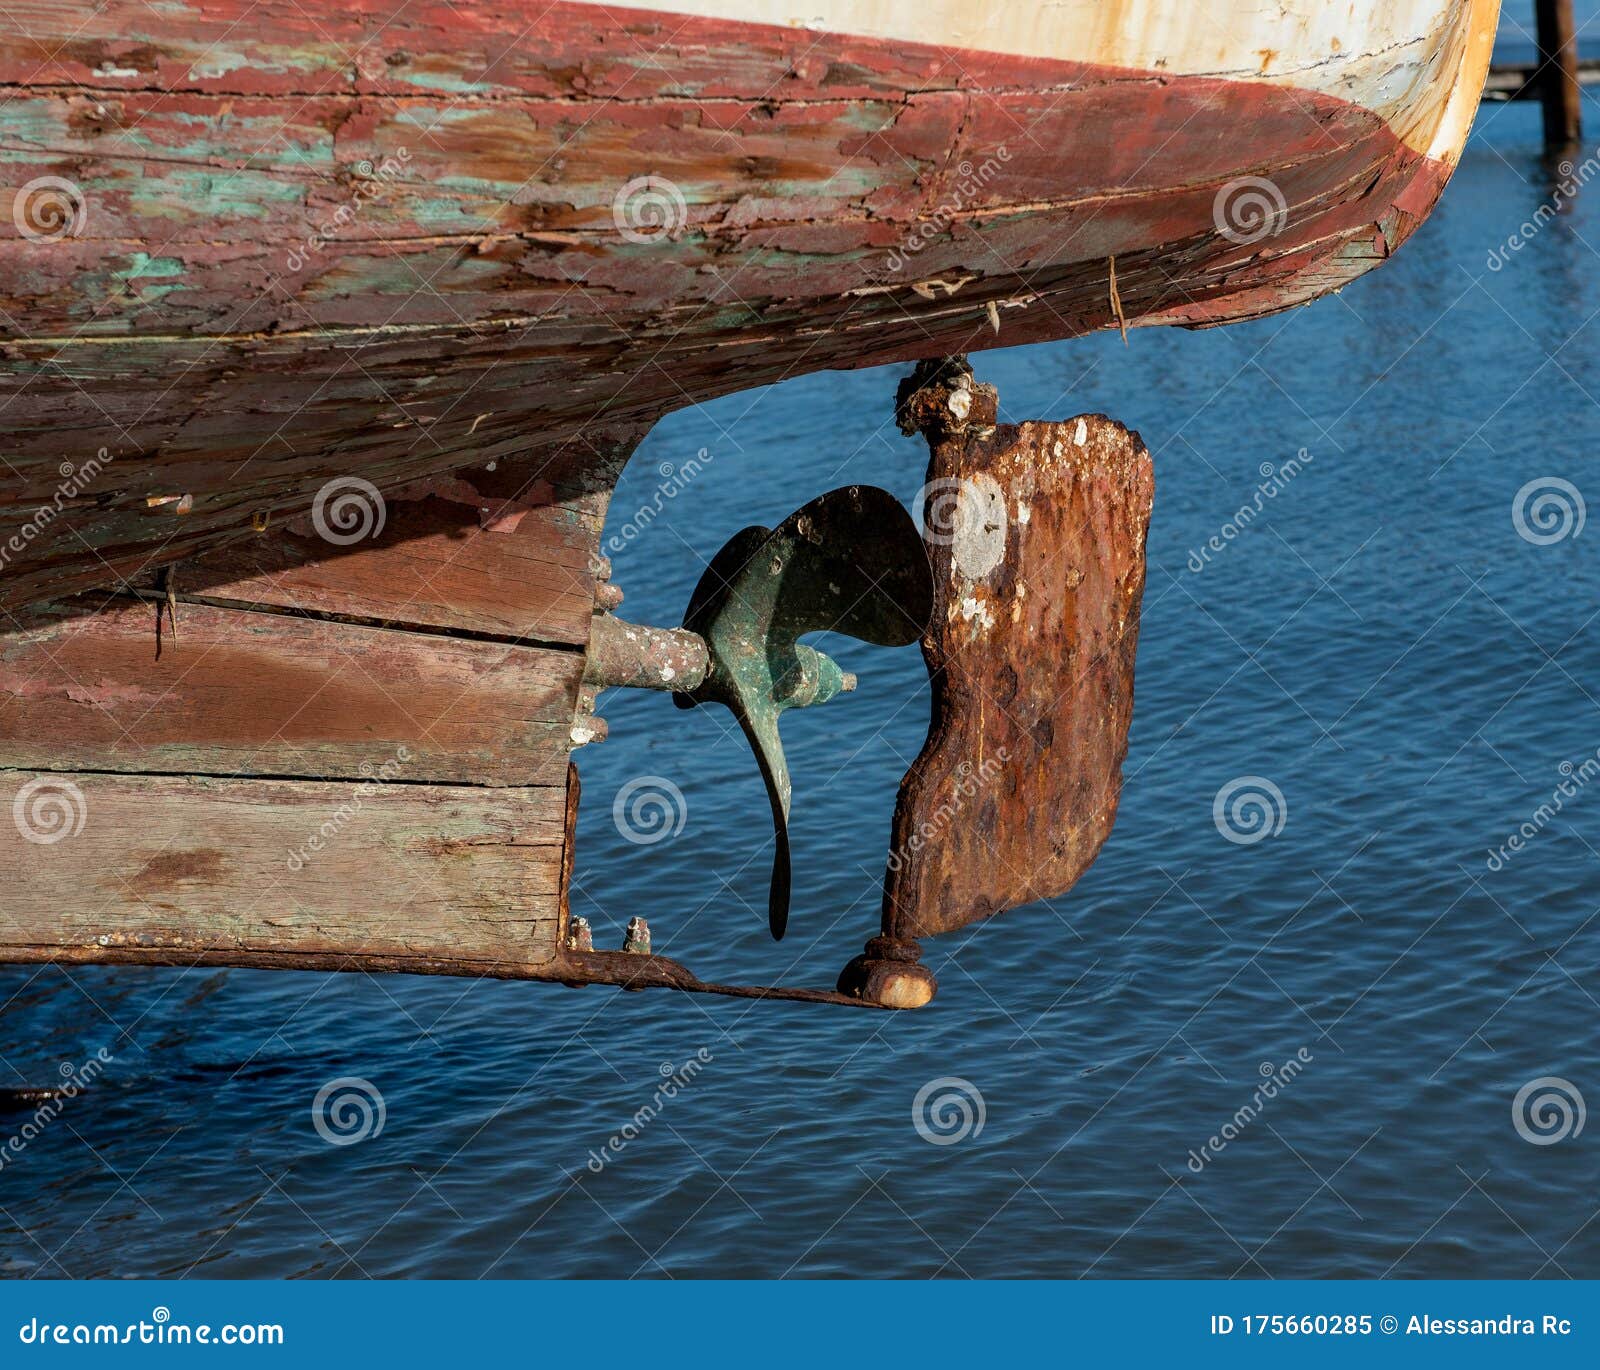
{"points": [[243, 693], [339, 875]]}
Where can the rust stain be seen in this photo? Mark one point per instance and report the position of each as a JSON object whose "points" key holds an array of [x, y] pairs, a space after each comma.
{"points": [[1037, 540], [168, 871]]}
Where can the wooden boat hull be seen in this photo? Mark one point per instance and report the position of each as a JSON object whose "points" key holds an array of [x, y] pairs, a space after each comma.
{"points": [[327, 339], [250, 251]]}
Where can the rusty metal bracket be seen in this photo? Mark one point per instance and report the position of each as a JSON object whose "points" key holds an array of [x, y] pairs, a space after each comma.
{"points": [[1036, 533]]}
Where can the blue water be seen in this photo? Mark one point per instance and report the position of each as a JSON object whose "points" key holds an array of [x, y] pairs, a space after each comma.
{"points": [[1381, 645]]}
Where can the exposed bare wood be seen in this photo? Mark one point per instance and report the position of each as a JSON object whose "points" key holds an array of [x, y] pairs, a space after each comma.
{"points": [[170, 869]]}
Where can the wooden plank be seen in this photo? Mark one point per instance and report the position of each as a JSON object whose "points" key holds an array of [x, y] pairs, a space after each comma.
{"points": [[168, 869], [1560, 78], [1037, 537], [507, 552], [241, 693]]}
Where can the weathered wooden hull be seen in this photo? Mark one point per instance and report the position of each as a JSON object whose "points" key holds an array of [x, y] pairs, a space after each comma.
{"points": [[326, 341], [395, 240]]}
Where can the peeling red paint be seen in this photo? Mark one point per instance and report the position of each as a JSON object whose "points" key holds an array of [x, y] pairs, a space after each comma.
{"points": [[483, 304]]}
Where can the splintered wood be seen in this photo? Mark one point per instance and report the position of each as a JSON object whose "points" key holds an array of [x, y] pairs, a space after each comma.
{"points": [[1037, 536]]}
